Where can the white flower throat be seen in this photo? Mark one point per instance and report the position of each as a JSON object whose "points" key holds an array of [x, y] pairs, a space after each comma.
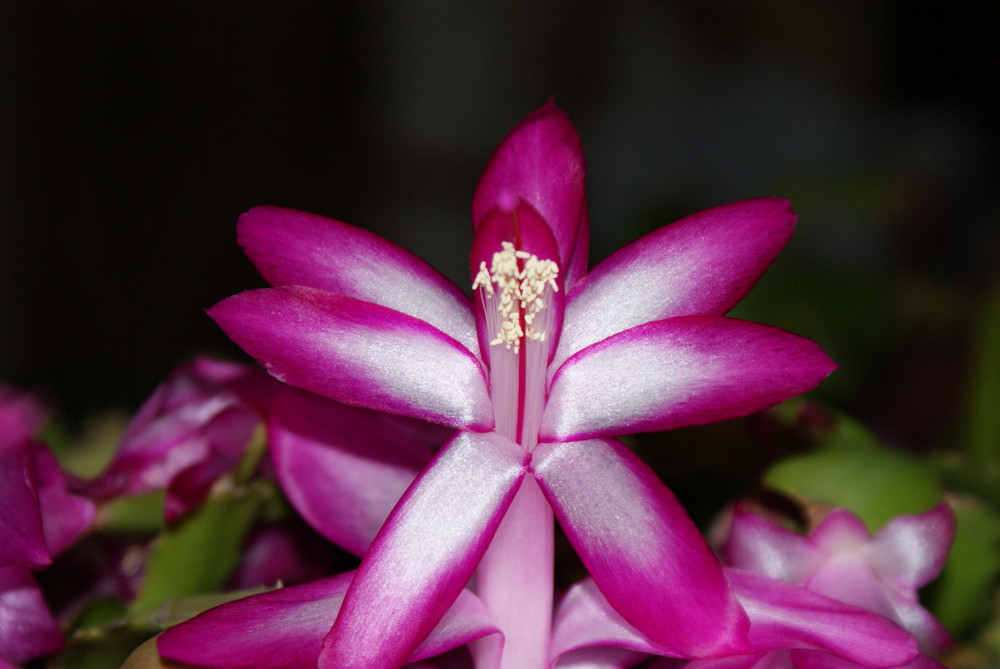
{"points": [[515, 294]]}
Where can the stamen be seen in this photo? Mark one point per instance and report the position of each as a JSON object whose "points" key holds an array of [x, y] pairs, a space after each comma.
{"points": [[483, 279], [521, 279]]}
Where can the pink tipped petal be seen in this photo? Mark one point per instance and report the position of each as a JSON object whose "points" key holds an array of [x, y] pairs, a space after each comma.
{"points": [[758, 545], [913, 549], [426, 552], [283, 628], [700, 265], [359, 353], [343, 468], [295, 248], [676, 372], [27, 629], [541, 162], [641, 548], [787, 616]]}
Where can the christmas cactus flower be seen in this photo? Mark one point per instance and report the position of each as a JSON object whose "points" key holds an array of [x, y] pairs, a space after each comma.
{"points": [[841, 559], [790, 628], [538, 371]]}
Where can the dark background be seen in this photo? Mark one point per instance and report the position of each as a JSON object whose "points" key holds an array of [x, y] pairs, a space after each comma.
{"points": [[133, 134]]}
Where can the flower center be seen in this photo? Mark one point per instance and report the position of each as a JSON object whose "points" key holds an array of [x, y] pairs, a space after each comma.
{"points": [[521, 279], [515, 292]]}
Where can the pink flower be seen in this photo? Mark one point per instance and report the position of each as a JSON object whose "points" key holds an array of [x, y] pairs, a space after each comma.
{"points": [[790, 628], [344, 468], [538, 371], [841, 559], [40, 519], [191, 430]]}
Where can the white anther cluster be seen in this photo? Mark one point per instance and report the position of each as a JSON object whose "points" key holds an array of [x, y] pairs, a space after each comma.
{"points": [[521, 291]]}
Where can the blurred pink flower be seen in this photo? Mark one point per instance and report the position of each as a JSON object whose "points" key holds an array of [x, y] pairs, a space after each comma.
{"points": [[40, 519], [191, 430], [840, 558]]}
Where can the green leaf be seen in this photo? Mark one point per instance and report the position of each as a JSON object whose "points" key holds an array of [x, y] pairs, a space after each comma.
{"points": [[134, 514], [111, 651], [177, 610], [197, 554], [851, 469]]}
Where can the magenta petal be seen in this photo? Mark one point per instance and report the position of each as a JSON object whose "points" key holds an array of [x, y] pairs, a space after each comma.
{"points": [[426, 552], [585, 620], [758, 545], [277, 629], [343, 468], [295, 248], [466, 621], [21, 415], [65, 516], [27, 629], [359, 353], [700, 265], [22, 535], [641, 548], [541, 162], [679, 371], [40, 518], [285, 628], [787, 616], [520, 225]]}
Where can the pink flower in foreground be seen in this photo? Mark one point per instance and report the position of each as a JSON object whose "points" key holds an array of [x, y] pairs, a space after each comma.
{"points": [[842, 560], [538, 371]]}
